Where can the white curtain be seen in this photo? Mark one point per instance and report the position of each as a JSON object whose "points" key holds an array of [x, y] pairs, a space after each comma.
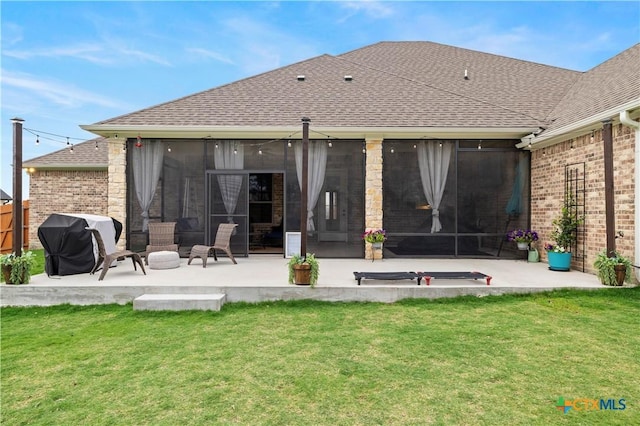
{"points": [[433, 159], [147, 165], [229, 155], [316, 169]]}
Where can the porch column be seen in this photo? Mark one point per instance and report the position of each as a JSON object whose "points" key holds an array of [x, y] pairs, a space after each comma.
{"points": [[117, 186], [373, 191]]}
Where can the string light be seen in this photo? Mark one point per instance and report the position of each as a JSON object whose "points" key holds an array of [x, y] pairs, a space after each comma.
{"points": [[37, 139], [168, 148], [480, 144], [364, 148], [96, 144], [260, 150], [71, 149], [68, 141]]}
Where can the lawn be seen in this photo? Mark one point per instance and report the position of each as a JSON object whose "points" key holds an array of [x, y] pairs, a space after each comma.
{"points": [[493, 360]]}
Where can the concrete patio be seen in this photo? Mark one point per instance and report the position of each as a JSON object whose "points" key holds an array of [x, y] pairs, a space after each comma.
{"points": [[264, 277]]}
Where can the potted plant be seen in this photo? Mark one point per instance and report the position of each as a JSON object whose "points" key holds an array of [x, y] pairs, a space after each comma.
{"points": [[375, 237], [17, 269], [614, 269], [565, 235], [304, 270], [522, 237]]}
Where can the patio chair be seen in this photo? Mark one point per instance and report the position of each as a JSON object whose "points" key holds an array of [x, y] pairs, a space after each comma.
{"points": [[222, 242], [161, 238], [106, 260]]}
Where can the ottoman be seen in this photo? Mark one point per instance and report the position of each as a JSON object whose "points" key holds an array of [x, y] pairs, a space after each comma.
{"points": [[164, 260]]}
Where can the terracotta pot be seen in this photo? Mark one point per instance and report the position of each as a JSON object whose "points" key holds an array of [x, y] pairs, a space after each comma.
{"points": [[6, 274], [302, 274]]}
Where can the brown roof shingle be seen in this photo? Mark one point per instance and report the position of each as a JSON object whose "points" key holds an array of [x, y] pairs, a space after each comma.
{"points": [[608, 85], [395, 84], [84, 156]]}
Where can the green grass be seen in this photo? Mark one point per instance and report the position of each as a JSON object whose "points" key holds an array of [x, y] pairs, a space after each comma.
{"points": [[465, 361]]}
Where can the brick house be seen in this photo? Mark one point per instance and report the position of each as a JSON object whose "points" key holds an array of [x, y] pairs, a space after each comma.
{"points": [[67, 182], [445, 148]]}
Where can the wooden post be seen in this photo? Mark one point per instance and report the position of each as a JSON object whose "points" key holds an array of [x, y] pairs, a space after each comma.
{"points": [[17, 186], [609, 201], [304, 188]]}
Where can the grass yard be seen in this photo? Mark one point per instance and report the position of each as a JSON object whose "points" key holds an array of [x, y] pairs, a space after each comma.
{"points": [[491, 361]]}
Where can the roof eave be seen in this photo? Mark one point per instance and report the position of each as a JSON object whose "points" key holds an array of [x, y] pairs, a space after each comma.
{"points": [[276, 132], [577, 128]]}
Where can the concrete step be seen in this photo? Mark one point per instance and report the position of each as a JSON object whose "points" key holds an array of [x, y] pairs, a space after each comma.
{"points": [[179, 302]]}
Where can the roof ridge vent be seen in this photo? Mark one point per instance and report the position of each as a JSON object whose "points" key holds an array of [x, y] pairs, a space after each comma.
{"points": [[300, 77], [348, 77]]}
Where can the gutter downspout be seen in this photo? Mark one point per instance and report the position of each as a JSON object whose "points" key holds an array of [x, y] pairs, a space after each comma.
{"points": [[627, 121]]}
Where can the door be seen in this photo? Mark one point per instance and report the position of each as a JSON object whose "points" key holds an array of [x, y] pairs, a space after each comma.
{"points": [[332, 207], [228, 203]]}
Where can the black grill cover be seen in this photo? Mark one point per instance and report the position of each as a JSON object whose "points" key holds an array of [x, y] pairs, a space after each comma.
{"points": [[68, 246]]}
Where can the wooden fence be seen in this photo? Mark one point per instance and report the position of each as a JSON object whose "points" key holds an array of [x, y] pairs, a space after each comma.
{"points": [[6, 222]]}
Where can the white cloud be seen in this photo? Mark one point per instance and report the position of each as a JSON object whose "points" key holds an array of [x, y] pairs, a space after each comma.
{"points": [[371, 8], [210, 54], [109, 53], [58, 93]]}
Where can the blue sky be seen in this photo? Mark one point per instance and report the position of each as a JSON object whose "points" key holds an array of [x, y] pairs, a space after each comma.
{"points": [[64, 64]]}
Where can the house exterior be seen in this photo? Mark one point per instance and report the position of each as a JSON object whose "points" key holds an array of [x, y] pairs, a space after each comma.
{"points": [[445, 148]]}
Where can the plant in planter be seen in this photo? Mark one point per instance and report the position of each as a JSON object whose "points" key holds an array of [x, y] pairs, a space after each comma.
{"points": [[375, 236], [304, 270], [614, 269], [17, 269], [523, 237], [565, 234]]}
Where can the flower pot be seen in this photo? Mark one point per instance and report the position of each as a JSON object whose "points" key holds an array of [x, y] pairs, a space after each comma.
{"points": [[534, 256], [523, 246], [621, 273], [376, 246], [302, 274], [559, 261], [6, 274]]}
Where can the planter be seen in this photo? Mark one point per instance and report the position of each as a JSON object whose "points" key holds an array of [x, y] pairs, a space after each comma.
{"points": [[534, 256], [523, 246], [559, 261], [6, 274], [302, 274], [376, 246], [621, 273]]}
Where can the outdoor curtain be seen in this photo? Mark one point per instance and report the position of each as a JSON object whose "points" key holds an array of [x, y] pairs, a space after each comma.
{"points": [[514, 206], [229, 155], [316, 169], [147, 165], [433, 160]]}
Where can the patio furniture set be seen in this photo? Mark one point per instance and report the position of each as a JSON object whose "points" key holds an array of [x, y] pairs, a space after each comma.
{"points": [[162, 251]]}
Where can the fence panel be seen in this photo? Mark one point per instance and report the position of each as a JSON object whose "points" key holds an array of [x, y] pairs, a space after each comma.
{"points": [[6, 227]]}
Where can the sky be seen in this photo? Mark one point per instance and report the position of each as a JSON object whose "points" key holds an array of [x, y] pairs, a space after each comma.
{"points": [[65, 64]]}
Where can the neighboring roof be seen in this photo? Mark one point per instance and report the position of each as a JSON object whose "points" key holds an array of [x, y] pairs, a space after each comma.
{"points": [[84, 156], [608, 85], [394, 84], [4, 196]]}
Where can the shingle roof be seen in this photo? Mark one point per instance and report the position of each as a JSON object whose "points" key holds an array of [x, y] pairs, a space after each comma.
{"points": [[608, 85], [395, 84], [84, 156]]}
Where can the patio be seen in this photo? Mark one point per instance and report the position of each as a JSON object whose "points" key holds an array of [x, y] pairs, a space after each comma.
{"points": [[264, 277]]}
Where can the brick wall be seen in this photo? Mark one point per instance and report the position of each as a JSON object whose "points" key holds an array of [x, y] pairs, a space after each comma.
{"points": [[63, 191], [547, 191]]}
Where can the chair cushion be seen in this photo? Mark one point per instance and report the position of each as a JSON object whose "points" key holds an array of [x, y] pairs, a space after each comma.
{"points": [[164, 260]]}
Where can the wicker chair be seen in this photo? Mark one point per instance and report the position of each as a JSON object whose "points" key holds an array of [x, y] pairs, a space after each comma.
{"points": [[161, 238], [222, 242], [105, 260]]}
